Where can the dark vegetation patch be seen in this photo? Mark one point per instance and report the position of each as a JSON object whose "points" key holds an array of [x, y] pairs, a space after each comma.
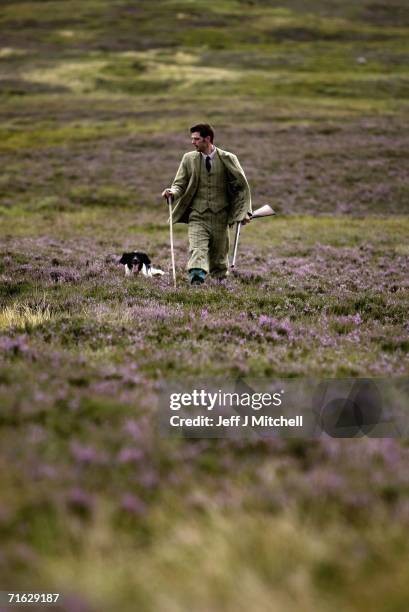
{"points": [[395, 13], [103, 196], [13, 289], [393, 344], [20, 87], [375, 12], [139, 86], [370, 307], [310, 34]]}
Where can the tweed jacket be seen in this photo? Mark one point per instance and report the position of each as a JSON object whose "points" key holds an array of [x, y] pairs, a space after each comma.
{"points": [[186, 183]]}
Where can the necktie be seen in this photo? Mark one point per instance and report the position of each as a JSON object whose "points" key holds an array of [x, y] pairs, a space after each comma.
{"points": [[208, 164]]}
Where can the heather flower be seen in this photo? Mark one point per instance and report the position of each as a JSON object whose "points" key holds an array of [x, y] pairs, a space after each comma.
{"points": [[304, 270], [133, 428], [204, 314], [327, 340], [80, 501], [132, 504], [281, 327], [129, 455], [266, 321], [388, 450], [25, 554], [86, 454], [325, 482], [14, 347], [148, 479]]}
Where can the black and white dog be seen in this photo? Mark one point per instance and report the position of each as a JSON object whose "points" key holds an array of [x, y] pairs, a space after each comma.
{"points": [[141, 262]]}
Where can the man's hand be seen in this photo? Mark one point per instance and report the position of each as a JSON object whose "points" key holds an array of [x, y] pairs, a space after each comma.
{"points": [[247, 219], [167, 193]]}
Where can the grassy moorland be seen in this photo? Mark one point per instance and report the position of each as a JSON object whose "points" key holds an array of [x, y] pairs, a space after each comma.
{"points": [[96, 101]]}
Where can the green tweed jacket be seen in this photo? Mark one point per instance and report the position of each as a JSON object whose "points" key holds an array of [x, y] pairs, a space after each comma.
{"points": [[186, 182]]}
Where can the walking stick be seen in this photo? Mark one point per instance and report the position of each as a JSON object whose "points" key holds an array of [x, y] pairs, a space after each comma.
{"points": [[236, 244], [169, 199]]}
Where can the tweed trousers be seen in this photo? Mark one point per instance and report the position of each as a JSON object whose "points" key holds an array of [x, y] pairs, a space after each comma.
{"points": [[209, 242]]}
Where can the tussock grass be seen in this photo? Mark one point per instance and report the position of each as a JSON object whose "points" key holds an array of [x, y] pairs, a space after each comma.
{"points": [[77, 76], [228, 563], [24, 316]]}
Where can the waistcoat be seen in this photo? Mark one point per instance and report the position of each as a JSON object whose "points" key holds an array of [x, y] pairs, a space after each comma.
{"points": [[212, 188]]}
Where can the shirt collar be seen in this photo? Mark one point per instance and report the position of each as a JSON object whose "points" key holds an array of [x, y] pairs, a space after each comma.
{"points": [[212, 154]]}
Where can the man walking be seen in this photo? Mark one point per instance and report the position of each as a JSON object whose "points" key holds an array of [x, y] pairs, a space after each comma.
{"points": [[211, 193]]}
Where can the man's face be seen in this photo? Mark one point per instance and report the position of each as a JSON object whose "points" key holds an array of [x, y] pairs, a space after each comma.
{"points": [[201, 144]]}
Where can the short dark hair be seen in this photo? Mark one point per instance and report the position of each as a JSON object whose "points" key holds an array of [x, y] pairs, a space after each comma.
{"points": [[204, 130]]}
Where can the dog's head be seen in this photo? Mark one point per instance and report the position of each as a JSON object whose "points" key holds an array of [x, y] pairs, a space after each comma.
{"points": [[128, 259], [135, 258]]}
